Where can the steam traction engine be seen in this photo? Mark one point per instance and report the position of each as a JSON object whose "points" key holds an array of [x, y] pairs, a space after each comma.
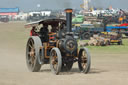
{"points": [[57, 47]]}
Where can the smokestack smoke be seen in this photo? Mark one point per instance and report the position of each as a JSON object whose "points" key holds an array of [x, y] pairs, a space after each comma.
{"points": [[63, 3]]}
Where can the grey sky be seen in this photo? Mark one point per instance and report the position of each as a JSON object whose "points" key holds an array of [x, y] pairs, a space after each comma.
{"points": [[54, 4]]}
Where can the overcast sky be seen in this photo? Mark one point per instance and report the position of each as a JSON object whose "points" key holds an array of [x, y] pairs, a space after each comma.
{"points": [[55, 4]]}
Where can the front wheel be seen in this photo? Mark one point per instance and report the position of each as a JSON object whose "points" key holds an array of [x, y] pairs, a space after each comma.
{"points": [[84, 60], [55, 61]]}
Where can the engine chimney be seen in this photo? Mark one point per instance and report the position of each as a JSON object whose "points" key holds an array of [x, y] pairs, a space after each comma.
{"points": [[69, 19]]}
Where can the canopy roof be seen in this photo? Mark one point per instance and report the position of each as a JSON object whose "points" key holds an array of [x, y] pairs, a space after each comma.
{"points": [[46, 21]]}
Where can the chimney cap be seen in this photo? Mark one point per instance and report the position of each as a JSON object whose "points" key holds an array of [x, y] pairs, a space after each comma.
{"points": [[68, 10]]}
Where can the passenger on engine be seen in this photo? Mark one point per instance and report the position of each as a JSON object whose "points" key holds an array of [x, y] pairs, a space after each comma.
{"points": [[44, 33], [54, 27], [33, 32]]}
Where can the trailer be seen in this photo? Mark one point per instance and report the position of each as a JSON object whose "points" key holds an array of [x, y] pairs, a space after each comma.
{"points": [[120, 29]]}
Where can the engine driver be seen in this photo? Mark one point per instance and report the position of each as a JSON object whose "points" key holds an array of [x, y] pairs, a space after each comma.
{"points": [[44, 33]]}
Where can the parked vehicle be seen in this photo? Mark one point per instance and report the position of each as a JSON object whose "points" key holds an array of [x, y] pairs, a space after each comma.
{"points": [[114, 37], [34, 16], [78, 19], [85, 31], [4, 18]]}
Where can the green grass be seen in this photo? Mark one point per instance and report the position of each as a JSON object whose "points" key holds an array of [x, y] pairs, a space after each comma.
{"points": [[110, 49]]}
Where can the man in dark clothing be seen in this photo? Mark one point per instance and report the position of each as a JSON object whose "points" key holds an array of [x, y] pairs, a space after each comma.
{"points": [[54, 27], [44, 33]]}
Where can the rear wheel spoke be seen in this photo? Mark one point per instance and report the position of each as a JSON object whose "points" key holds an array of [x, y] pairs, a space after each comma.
{"points": [[29, 61], [30, 46], [32, 43]]}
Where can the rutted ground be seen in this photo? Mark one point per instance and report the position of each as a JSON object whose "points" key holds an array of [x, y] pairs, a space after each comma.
{"points": [[107, 69]]}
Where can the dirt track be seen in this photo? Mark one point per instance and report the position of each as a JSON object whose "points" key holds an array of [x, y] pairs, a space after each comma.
{"points": [[107, 69]]}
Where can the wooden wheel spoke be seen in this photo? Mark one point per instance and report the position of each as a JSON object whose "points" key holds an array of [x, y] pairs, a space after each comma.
{"points": [[84, 64], [28, 53], [32, 64], [84, 59], [33, 58], [54, 54], [30, 46], [32, 43], [29, 61], [54, 57], [54, 61], [83, 53], [55, 66]]}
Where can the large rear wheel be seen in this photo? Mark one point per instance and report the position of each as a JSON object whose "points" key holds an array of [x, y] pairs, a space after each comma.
{"points": [[84, 60], [32, 53], [55, 60]]}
